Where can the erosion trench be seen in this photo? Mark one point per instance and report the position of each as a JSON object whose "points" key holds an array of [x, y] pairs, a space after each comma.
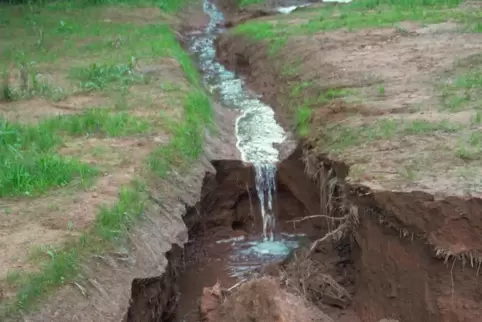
{"points": [[281, 235]]}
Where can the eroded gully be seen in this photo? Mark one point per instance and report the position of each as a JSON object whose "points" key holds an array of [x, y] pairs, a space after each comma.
{"points": [[245, 226]]}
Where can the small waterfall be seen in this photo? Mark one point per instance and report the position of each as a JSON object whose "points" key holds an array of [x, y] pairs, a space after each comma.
{"points": [[266, 189], [256, 128]]}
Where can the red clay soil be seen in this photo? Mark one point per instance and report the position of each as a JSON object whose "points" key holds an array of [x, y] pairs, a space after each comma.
{"points": [[417, 255], [257, 300]]}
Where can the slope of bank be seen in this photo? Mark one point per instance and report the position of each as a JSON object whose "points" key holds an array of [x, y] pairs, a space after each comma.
{"points": [[101, 150], [385, 102]]}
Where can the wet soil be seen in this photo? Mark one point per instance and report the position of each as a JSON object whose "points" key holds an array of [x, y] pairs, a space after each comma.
{"points": [[226, 224]]}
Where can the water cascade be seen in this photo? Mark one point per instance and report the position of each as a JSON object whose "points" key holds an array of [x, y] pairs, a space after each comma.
{"points": [[256, 129]]}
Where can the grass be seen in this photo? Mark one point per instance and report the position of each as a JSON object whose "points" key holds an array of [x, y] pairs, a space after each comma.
{"points": [[63, 265], [464, 91], [245, 3], [303, 112], [55, 33], [470, 147], [358, 15], [98, 77], [338, 137], [97, 121], [29, 164]]}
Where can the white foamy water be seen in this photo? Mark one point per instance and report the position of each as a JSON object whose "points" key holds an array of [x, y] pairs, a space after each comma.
{"points": [[256, 131]]}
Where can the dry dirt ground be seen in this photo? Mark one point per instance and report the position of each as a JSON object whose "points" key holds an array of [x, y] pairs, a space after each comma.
{"points": [[113, 98], [399, 103]]}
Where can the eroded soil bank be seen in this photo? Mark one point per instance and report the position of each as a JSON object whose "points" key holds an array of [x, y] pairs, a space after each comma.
{"points": [[417, 254]]}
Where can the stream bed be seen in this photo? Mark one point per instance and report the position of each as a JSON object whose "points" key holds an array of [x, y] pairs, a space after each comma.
{"points": [[234, 254]]}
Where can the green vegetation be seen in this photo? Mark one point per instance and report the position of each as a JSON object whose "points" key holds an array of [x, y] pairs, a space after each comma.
{"points": [[63, 265], [361, 14], [465, 91], [339, 137], [245, 3], [99, 56], [470, 146], [29, 164]]}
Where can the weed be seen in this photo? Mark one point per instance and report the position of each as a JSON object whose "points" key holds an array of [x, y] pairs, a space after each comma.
{"points": [[463, 92], [340, 137], [98, 77], [470, 147], [477, 119], [303, 117], [245, 3], [381, 90], [96, 121]]}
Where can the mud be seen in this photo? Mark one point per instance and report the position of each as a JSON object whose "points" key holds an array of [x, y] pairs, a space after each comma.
{"points": [[229, 210]]}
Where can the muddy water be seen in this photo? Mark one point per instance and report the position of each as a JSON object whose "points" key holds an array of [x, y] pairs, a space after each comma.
{"points": [[234, 254]]}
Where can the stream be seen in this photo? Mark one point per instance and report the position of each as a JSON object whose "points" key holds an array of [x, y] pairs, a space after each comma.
{"points": [[256, 131], [230, 260]]}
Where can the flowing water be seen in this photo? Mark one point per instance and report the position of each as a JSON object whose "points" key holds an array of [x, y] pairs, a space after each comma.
{"points": [[256, 129], [236, 257]]}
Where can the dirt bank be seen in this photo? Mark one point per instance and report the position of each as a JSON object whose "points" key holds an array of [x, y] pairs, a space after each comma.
{"points": [[416, 241]]}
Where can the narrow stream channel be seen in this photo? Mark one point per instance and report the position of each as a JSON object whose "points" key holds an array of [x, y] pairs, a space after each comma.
{"points": [[232, 259], [256, 129]]}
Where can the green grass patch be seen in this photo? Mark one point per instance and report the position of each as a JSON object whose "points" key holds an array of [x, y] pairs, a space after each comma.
{"points": [[187, 142], [98, 77], [28, 163], [96, 121], [361, 14], [245, 3], [57, 32], [29, 173], [28, 166], [63, 265], [339, 137], [470, 147], [303, 116], [464, 92]]}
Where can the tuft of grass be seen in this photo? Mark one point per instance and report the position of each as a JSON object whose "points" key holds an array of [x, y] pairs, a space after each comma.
{"points": [[339, 137], [113, 223], [30, 173], [96, 121], [303, 116], [28, 166], [470, 147], [187, 142], [464, 91], [98, 77], [245, 3]]}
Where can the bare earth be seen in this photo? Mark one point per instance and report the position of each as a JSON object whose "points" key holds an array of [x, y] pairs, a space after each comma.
{"points": [[400, 106]]}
